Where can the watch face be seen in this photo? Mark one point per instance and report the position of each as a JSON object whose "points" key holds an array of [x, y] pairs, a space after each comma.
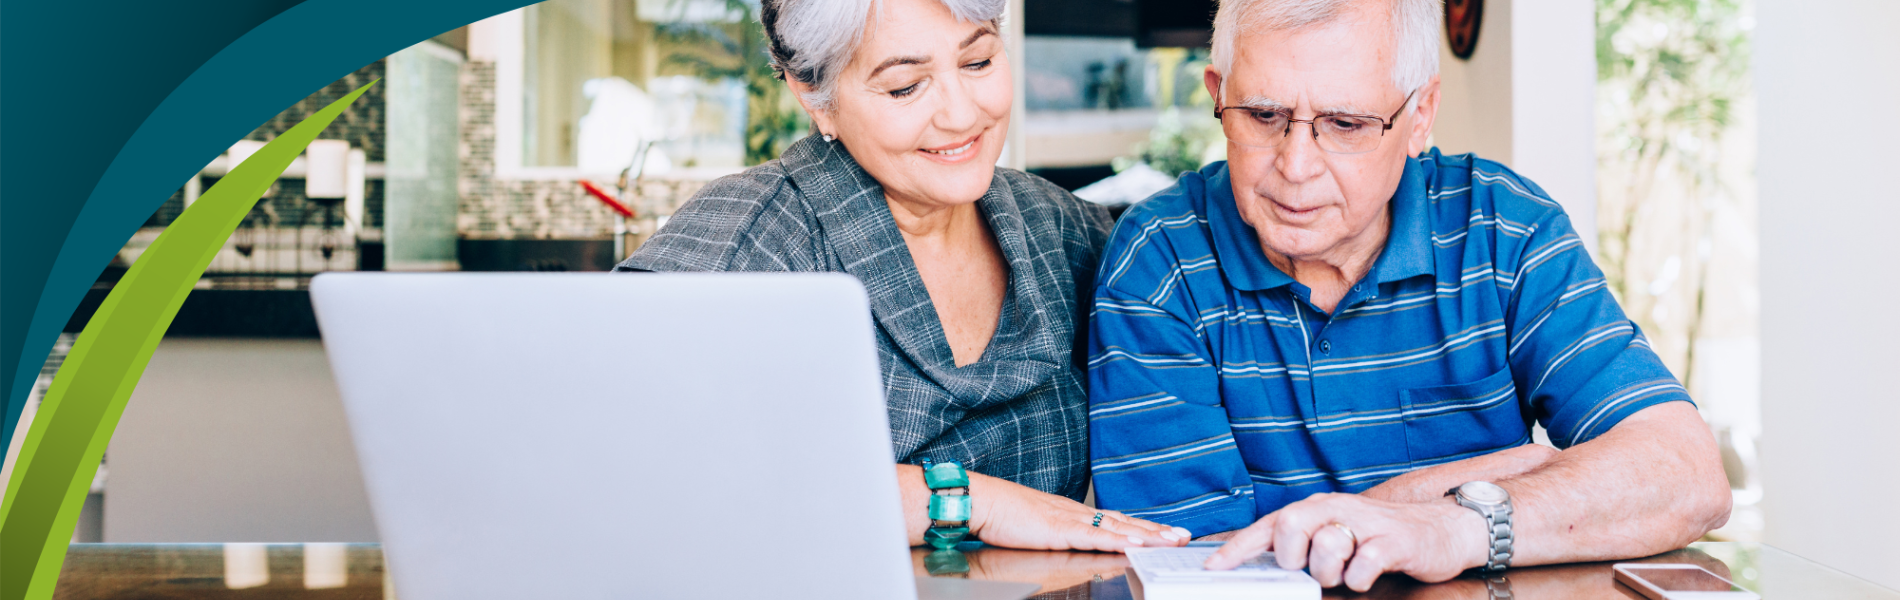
{"points": [[1484, 491]]}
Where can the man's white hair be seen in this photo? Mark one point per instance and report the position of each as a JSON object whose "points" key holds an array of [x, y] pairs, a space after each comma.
{"points": [[1415, 30]]}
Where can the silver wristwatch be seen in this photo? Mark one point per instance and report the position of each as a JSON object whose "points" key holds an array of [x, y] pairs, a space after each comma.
{"points": [[1494, 504]]}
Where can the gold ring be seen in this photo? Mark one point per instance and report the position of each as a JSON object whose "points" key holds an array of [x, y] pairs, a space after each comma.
{"points": [[1348, 530]]}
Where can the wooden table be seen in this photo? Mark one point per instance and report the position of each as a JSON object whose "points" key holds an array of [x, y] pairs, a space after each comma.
{"points": [[339, 571]]}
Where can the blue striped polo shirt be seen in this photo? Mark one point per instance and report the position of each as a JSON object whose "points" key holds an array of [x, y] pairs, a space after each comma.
{"points": [[1219, 393]]}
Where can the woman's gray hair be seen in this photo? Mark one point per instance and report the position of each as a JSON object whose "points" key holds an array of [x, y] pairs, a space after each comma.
{"points": [[1415, 31], [813, 40]]}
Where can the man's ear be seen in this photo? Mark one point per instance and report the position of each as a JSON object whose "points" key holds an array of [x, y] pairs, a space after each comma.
{"points": [[821, 120], [1426, 113], [1212, 78]]}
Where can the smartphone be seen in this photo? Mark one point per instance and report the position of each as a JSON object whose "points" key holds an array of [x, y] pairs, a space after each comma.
{"points": [[1661, 581]]}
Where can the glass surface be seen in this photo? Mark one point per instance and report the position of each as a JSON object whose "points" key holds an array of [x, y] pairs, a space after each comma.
{"points": [[356, 571], [421, 194]]}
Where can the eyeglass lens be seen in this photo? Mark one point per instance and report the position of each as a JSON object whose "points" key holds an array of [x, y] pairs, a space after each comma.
{"points": [[1340, 134]]}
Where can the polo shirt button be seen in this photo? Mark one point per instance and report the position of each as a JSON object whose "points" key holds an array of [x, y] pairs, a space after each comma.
{"points": [[1325, 347]]}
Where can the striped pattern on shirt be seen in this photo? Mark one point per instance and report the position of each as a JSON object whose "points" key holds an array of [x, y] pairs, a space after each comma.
{"points": [[1219, 393]]}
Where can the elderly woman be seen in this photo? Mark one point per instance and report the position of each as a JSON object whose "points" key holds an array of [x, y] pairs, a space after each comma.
{"points": [[978, 276]]}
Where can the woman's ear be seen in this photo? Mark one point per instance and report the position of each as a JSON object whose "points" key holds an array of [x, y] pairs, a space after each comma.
{"points": [[820, 120]]}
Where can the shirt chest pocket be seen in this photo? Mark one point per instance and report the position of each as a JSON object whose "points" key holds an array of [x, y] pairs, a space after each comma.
{"points": [[1453, 422]]}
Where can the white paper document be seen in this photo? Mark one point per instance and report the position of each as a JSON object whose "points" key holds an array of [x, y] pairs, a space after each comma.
{"points": [[1176, 573]]}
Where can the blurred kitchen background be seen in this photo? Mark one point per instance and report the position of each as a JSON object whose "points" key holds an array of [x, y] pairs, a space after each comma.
{"points": [[558, 136]]}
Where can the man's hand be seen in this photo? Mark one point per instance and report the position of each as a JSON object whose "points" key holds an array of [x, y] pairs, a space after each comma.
{"points": [[1013, 516], [1431, 542]]}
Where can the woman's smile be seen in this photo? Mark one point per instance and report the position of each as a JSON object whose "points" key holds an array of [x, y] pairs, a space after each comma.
{"points": [[954, 152]]}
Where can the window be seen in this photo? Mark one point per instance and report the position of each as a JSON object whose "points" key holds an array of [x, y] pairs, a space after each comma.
{"points": [[593, 84]]}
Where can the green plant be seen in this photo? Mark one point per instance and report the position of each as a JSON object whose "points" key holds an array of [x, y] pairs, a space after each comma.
{"points": [[1186, 135], [1180, 141], [773, 117], [1671, 74]]}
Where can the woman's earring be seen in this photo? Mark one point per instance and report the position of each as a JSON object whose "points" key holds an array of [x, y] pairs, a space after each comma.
{"points": [[830, 138]]}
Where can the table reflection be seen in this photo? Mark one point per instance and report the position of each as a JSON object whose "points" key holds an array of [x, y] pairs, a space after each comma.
{"points": [[355, 571], [1769, 571], [251, 571]]}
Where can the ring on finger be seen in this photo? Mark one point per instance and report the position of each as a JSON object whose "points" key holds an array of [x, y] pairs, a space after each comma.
{"points": [[1098, 520], [1348, 531]]}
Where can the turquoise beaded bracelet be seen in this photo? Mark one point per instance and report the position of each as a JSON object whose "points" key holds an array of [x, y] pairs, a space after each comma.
{"points": [[949, 503]]}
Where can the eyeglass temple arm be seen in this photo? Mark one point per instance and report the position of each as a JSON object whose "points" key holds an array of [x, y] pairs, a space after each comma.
{"points": [[1395, 114]]}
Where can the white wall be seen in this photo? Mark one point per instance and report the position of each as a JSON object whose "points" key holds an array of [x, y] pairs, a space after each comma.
{"points": [[1474, 113], [1830, 455], [1527, 98], [235, 440]]}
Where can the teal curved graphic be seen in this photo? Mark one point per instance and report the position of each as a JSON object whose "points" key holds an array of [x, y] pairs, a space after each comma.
{"points": [[75, 191], [82, 408]]}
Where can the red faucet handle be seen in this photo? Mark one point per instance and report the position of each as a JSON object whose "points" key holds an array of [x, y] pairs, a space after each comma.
{"points": [[606, 198]]}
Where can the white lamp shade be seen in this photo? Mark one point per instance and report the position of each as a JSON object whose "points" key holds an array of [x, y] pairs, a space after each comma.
{"points": [[241, 151], [326, 169]]}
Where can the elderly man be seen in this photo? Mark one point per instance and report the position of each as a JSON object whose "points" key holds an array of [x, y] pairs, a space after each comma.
{"points": [[1313, 341]]}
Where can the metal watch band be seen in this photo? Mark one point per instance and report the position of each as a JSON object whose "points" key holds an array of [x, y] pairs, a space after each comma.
{"points": [[1497, 519]]}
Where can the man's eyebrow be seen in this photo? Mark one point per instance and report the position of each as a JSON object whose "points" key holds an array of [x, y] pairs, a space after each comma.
{"points": [[1263, 103], [980, 32], [898, 60], [1343, 109]]}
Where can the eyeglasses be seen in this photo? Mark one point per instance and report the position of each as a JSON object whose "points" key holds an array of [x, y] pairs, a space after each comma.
{"points": [[1336, 133]]}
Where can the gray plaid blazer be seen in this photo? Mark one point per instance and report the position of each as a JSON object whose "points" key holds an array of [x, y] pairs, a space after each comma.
{"points": [[1021, 411]]}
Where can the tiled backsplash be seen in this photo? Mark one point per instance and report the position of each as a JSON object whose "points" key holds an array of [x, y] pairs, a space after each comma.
{"points": [[489, 207], [361, 124], [494, 208]]}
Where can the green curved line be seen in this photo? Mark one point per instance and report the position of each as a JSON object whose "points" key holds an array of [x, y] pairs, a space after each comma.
{"points": [[74, 422]]}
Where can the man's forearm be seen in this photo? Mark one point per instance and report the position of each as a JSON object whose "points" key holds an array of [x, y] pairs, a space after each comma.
{"points": [[1652, 483], [1429, 484]]}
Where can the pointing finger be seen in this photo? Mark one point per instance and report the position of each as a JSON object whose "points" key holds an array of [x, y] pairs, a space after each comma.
{"points": [[1250, 542], [1293, 535]]}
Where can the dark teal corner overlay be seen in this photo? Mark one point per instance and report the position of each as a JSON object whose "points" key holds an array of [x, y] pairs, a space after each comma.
{"points": [[107, 107], [81, 410]]}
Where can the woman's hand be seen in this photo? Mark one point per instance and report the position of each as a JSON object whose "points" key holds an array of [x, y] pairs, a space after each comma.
{"points": [[1014, 516]]}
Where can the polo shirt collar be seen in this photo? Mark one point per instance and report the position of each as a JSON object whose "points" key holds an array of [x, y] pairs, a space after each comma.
{"points": [[1408, 247]]}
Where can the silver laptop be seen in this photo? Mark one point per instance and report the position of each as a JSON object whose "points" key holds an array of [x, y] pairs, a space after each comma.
{"points": [[623, 436]]}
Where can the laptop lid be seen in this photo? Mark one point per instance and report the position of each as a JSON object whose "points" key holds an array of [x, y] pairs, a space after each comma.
{"points": [[614, 435]]}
